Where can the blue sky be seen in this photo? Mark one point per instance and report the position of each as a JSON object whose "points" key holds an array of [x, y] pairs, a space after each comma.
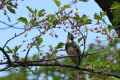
{"points": [[88, 8]]}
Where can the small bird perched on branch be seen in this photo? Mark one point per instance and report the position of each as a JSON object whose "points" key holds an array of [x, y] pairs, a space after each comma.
{"points": [[72, 48]]}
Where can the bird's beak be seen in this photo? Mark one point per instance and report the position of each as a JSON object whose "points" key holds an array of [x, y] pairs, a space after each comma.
{"points": [[68, 33]]}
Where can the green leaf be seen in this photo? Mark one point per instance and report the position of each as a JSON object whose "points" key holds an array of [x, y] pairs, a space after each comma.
{"points": [[76, 16], [39, 40], [57, 2], [60, 45], [109, 28], [22, 19], [42, 46], [34, 57], [84, 17], [30, 10], [51, 16], [11, 10], [8, 50], [115, 5], [56, 51], [66, 6], [97, 17], [116, 17], [32, 44], [8, 1], [14, 6], [50, 46], [87, 21], [40, 12], [79, 39], [102, 14], [16, 48], [83, 0], [35, 10]]}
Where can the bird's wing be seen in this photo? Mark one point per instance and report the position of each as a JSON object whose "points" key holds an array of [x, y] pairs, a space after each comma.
{"points": [[76, 47]]}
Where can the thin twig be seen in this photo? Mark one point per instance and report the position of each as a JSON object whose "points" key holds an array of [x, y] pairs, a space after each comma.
{"points": [[12, 39], [9, 26], [94, 52], [27, 53]]}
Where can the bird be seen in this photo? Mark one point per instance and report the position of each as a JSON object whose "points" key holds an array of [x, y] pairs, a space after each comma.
{"points": [[72, 48]]}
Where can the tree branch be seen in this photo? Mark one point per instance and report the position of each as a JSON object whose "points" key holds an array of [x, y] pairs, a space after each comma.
{"points": [[33, 63], [42, 63], [7, 56]]}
